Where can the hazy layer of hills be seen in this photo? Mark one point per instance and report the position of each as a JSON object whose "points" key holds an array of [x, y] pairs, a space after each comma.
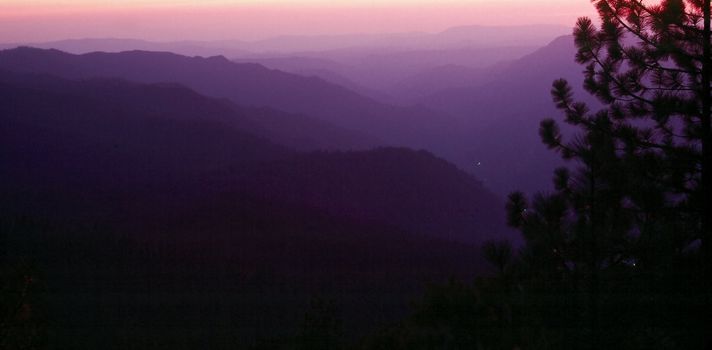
{"points": [[503, 113], [383, 70], [467, 111], [197, 213], [455, 37], [125, 139], [249, 185], [249, 85], [374, 65]]}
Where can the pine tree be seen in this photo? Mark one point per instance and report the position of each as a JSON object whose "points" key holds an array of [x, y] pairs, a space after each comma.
{"points": [[651, 63], [642, 194]]}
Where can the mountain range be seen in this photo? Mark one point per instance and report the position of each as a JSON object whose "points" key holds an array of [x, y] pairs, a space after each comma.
{"points": [[454, 37], [118, 138], [463, 112], [219, 187], [254, 85], [190, 209]]}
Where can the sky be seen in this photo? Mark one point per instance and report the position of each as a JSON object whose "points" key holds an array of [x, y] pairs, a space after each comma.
{"points": [[170, 20]]}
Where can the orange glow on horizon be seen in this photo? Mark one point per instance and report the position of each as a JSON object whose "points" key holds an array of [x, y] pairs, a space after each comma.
{"points": [[166, 20]]}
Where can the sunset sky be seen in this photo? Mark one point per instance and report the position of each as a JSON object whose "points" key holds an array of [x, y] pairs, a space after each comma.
{"points": [[166, 20]]}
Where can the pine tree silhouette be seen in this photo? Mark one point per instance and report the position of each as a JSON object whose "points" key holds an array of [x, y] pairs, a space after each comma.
{"points": [[641, 192]]}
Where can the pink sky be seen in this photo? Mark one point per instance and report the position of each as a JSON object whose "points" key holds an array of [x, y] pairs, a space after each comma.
{"points": [[166, 20]]}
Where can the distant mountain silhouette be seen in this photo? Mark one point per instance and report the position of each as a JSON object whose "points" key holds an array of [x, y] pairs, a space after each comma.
{"points": [[255, 85], [382, 68], [500, 105], [328, 70], [81, 46], [461, 36], [455, 37]]}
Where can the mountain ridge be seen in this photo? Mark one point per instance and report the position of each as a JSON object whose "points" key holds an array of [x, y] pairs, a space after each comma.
{"points": [[254, 85]]}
